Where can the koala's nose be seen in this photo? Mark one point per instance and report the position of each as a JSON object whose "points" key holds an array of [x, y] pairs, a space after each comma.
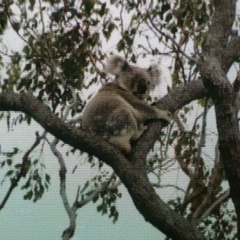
{"points": [[142, 86]]}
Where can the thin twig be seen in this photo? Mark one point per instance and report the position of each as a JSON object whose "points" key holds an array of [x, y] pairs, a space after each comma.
{"points": [[22, 172]]}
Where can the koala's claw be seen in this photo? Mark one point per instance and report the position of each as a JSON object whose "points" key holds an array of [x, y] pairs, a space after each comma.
{"points": [[169, 116], [165, 115]]}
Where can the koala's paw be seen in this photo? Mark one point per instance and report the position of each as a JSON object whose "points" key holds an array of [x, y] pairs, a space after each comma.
{"points": [[165, 115]]}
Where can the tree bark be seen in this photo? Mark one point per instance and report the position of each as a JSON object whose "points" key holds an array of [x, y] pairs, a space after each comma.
{"points": [[218, 55], [213, 67], [146, 200]]}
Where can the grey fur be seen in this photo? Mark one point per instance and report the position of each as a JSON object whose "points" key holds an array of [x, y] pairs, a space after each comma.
{"points": [[119, 110]]}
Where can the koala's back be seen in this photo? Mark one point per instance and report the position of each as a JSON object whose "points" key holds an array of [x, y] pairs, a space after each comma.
{"points": [[119, 112], [109, 114]]}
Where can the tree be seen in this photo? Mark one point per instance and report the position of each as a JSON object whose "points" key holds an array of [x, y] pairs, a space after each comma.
{"points": [[61, 56]]}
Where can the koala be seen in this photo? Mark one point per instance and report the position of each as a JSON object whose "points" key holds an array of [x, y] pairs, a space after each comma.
{"points": [[119, 111]]}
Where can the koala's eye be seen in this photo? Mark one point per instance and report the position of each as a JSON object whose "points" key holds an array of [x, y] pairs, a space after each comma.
{"points": [[142, 86]]}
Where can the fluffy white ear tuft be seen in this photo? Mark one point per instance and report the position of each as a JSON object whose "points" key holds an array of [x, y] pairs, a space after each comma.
{"points": [[115, 65], [154, 73]]}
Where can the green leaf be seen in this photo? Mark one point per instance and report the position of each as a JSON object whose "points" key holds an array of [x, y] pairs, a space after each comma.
{"points": [[18, 166], [28, 195], [47, 178], [27, 67], [3, 21], [9, 162], [9, 173], [88, 5], [168, 17]]}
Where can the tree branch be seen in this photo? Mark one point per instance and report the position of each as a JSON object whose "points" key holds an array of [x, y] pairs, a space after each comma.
{"points": [[223, 97], [224, 197], [22, 172], [220, 29], [213, 70], [173, 101], [136, 181], [231, 53], [71, 211], [103, 187]]}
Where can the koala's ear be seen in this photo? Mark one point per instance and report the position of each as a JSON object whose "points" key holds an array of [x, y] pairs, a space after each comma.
{"points": [[115, 65], [154, 73]]}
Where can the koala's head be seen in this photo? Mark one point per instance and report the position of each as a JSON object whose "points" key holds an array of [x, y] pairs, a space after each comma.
{"points": [[140, 81]]}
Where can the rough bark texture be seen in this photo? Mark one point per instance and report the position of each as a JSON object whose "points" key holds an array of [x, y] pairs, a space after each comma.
{"points": [[176, 99], [134, 178], [217, 57]]}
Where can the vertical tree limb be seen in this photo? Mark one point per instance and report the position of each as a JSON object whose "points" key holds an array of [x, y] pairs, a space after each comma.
{"points": [[213, 71]]}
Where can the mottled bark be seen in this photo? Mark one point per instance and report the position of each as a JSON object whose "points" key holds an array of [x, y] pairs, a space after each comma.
{"points": [[176, 99], [213, 65], [220, 51], [146, 200]]}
